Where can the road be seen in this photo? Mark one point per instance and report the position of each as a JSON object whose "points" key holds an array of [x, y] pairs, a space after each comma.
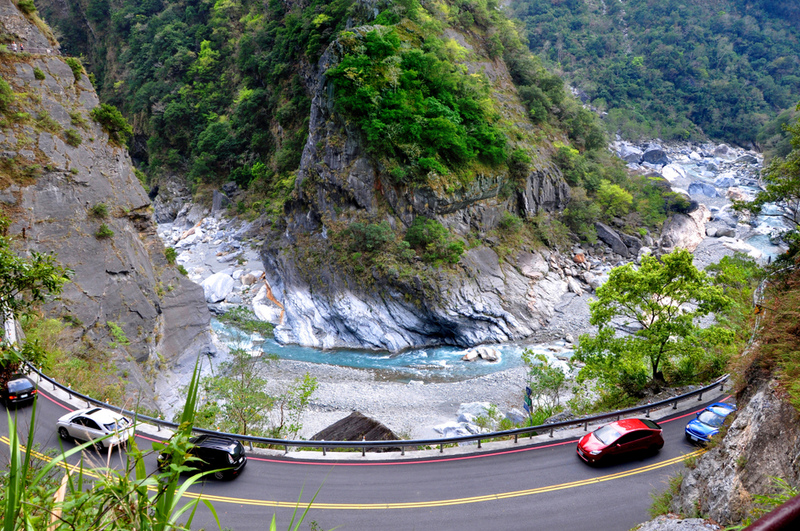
{"points": [[544, 486]]}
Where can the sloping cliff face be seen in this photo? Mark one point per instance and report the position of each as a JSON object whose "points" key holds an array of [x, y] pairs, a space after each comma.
{"points": [[482, 299], [61, 182], [762, 442]]}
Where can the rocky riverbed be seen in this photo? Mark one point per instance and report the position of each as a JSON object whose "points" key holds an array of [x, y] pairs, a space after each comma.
{"points": [[219, 254]]}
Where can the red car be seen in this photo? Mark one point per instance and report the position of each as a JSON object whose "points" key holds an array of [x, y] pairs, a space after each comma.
{"points": [[620, 437]]}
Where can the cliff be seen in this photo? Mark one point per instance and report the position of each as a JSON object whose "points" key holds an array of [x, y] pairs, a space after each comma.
{"points": [[70, 189], [495, 293]]}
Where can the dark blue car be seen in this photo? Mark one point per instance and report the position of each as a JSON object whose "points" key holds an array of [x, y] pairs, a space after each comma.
{"points": [[708, 422]]}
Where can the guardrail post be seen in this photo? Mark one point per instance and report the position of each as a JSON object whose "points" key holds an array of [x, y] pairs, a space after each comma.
{"points": [[441, 448], [324, 450], [700, 397], [479, 444], [551, 433], [647, 413], [285, 449], [402, 450], [586, 426], [675, 405], [516, 438], [251, 445], [722, 387], [363, 448]]}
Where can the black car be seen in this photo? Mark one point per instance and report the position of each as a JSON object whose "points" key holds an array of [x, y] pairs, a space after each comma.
{"points": [[215, 452], [19, 390]]}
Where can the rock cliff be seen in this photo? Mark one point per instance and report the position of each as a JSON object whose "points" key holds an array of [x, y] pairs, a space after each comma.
{"points": [[485, 298], [70, 190], [762, 442]]}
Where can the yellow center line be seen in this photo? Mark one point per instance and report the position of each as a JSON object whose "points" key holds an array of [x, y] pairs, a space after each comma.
{"points": [[404, 505]]}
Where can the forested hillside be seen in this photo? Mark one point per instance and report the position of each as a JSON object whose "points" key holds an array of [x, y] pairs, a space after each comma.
{"points": [[675, 69]]}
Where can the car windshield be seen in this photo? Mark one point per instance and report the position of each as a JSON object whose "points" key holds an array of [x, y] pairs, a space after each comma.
{"points": [[712, 419], [16, 386], [607, 435]]}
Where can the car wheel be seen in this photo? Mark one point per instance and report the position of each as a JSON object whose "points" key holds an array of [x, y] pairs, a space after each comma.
{"points": [[63, 433], [99, 446], [219, 474]]}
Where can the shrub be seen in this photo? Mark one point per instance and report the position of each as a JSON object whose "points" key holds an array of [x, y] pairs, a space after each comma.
{"points": [[6, 95], [170, 254], [182, 270], [38, 73], [100, 210], [26, 6], [112, 121], [433, 240], [73, 137], [76, 66], [370, 237], [103, 232]]}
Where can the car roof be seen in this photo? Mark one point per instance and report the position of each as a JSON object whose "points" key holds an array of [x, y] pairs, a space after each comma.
{"points": [[721, 409], [624, 426], [214, 441], [100, 414]]}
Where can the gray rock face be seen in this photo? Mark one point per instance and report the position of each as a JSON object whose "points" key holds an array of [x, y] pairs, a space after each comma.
{"points": [[122, 279], [763, 441], [685, 230], [481, 300]]}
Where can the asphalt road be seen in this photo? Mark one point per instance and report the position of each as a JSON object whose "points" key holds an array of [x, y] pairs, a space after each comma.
{"points": [[545, 486]]}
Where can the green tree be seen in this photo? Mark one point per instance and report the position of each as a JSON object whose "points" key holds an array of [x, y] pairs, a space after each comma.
{"points": [[545, 380], [781, 187], [657, 306], [25, 282]]}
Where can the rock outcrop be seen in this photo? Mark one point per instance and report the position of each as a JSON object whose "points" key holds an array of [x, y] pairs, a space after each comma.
{"points": [[483, 300], [762, 442], [71, 191], [358, 427]]}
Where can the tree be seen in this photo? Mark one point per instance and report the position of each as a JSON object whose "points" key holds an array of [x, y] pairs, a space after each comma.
{"points": [[545, 381], [782, 187], [24, 284], [657, 306], [237, 400]]}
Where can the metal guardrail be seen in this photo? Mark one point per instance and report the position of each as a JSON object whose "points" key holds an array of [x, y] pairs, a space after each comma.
{"points": [[413, 443]]}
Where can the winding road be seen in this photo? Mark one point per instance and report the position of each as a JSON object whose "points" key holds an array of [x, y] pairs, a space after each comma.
{"points": [[543, 486]]}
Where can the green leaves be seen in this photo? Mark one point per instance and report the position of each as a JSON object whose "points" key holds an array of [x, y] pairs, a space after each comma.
{"points": [[657, 306]]}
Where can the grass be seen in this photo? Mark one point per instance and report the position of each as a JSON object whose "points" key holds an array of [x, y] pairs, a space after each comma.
{"points": [[663, 500]]}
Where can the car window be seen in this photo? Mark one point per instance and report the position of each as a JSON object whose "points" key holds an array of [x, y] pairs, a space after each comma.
{"points": [[606, 434], [16, 386], [712, 419], [92, 425], [79, 421], [116, 425]]}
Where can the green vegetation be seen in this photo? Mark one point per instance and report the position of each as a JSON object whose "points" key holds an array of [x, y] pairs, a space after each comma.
{"points": [[660, 301], [236, 399], [38, 73], [112, 121], [434, 242], [419, 111], [6, 95], [26, 6], [170, 254], [118, 334], [245, 320], [662, 501], [673, 69], [100, 210], [76, 67], [73, 137], [546, 383], [103, 232]]}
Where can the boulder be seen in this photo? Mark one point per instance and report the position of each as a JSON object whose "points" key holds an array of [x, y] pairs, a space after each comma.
{"points": [[217, 287], [358, 427], [574, 286], [673, 172], [701, 188], [655, 155], [723, 151], [746, 159], [725, 181], [629, 153], [631, 242], [685, 230], [611, 238]]}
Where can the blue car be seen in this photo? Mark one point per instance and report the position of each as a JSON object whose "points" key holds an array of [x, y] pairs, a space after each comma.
{"points": [[708, 421]]}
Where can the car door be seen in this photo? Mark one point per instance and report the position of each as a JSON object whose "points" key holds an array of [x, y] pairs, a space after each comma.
{"points": [[632, 442], [91, 430]]}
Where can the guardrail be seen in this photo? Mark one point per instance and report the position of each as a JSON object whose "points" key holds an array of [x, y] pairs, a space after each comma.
{"points": [[403, 444]]}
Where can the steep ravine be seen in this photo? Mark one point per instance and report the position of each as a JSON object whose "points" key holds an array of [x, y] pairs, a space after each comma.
{"points": [[61, 180]]}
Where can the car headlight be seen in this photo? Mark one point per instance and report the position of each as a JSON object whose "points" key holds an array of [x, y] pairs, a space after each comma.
{"points": [[595, 452], [230, 459]]}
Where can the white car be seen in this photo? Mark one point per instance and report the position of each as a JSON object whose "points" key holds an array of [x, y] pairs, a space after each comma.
{"points": [[93, 424]]}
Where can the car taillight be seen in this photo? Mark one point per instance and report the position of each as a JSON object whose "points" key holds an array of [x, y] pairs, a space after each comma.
{"points": [[12, 397], [34, 392]]}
